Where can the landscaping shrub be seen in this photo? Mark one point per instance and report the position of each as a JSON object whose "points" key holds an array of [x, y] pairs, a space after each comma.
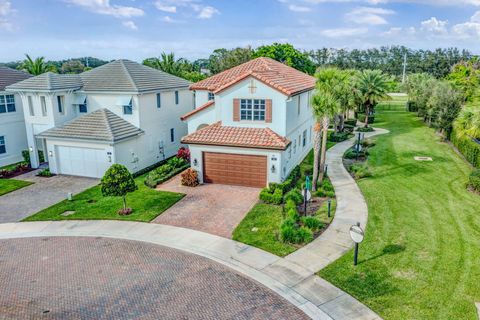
{"points": [[26, 156], [288, 231], [118, 182], [294, 195], [366, 143], [4, 173], [304, 235], [469, 148], [190, 178], [312, 223], [151, 180], [348, 128], [474, 180], [45, 173], [166, 171], [412, 106], [339, 136], [325, 190], [176, 162], [367, 129], [183, 153], [350, 122], [291, 210], [352, 153], [275, 197], [361, 118], [360, 171]]}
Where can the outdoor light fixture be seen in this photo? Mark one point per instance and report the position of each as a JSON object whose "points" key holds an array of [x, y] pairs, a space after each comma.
{"points": [[195, 162], [30, 149], [273, 168], [50, 153]]}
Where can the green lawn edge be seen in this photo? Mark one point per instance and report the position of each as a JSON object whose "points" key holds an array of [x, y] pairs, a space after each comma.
{"points": [[10, 185]]}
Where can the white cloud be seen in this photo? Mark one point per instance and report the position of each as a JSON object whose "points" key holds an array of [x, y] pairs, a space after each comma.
{"points": [[207, 12], [368, 15], [104, 7], [469, 29], [130, 24], [427, 2], [435, 26], [5, 11], [296, 8], [343, 32], [174, 6]]}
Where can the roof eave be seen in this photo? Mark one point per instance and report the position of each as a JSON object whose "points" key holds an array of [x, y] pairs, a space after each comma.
{"points": [[236, 145]]}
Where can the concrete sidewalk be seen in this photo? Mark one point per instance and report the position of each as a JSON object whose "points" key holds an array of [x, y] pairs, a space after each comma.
{"points": [[298, 285], [351, 208]]}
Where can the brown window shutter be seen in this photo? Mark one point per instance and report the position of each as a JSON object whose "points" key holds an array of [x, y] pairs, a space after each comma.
{"points": [[236, 109], [268, 110]]}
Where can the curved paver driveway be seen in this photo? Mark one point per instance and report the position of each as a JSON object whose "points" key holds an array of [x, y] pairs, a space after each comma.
{"points": [[103, 278]]}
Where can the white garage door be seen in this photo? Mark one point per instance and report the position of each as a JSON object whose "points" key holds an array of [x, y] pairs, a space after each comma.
{"points": [[85, 162]]}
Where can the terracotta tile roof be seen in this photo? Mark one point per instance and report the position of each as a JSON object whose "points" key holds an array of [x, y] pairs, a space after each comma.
{"points": [[281, 77], [202, 107], [216, 134]]}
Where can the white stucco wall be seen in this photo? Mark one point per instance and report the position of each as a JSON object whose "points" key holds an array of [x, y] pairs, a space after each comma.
{"points": [[12, 127], [273, 159]]}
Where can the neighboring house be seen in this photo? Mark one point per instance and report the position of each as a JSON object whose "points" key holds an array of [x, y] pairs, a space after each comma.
{"points": [[13, 138], [122, 112], [252, 124]]}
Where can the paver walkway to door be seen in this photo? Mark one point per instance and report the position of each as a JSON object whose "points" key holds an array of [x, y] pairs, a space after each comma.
{"points": [[212, 208], [351, 208], [43, 193]]}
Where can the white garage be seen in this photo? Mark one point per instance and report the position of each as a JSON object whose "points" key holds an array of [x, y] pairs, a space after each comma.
{"points": [[87, 162]]}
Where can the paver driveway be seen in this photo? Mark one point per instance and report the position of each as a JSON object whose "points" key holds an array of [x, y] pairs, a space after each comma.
{"points": [[212, 208], [45, 192], [102, 278]]}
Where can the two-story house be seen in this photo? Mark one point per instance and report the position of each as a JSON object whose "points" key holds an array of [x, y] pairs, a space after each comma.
{"points": [[13, 138], [252, 124], [122, 112]]}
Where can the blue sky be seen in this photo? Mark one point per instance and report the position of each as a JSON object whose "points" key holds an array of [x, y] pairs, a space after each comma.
{"points": [[136, 29]]}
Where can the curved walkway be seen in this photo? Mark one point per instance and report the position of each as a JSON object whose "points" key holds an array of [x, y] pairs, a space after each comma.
{"points": [[351, 208], [314, 296]]}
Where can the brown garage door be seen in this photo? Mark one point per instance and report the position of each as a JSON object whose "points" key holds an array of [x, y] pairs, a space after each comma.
{"points": [[235, 169]]}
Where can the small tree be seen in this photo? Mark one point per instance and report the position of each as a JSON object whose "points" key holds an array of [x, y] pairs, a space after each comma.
{"points": [[118, 182]]}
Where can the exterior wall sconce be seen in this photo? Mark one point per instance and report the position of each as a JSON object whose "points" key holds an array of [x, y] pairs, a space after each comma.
{"points": [[273, 169], [50, 153], [195, 162], [30, 149]]}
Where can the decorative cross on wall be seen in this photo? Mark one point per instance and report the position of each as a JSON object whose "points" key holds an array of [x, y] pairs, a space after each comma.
{"points": [[252, 87]]}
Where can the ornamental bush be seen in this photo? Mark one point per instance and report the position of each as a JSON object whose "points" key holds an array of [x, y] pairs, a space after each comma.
{"points": [[361, 118], [350, 122], [312, 223], [469, 148], [360, 171], [118, 182], [474, 180], [190, 178], [339, 136], [294, 195], [183, 153], [275, 197]]}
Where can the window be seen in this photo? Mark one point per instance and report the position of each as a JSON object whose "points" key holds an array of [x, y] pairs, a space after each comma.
{"points": [[176, 97], [252, 109], [3, 149], [7, 103], [128, 109], [30, 106], [172, 135], [304, 138], [60, 100], [159, 101], [43, 102], [211, 96], [82, 108]]}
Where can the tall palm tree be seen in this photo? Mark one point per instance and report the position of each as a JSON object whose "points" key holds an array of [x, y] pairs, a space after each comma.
{"points": [[372, 87], [167, 63], [325, 104], [37, 66]]}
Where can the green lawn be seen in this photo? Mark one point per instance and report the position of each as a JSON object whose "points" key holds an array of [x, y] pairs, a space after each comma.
{"points": [[9, 185], [421, 257], [91, 205]]}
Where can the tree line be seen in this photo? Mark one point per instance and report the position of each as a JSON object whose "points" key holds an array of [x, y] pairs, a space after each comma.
{"points": [[438, 63]]}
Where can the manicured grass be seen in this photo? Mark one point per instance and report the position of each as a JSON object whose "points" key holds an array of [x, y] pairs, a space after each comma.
{"points": [[91, 205], [420, 258], [9, 185], [10, 166]]}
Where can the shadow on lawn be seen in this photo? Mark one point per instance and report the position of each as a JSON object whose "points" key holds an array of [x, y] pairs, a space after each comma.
{"points": [[389, 249]]}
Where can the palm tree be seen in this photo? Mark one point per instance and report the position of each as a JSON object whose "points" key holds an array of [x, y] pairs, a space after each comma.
{"points": [[167, 63], [37, 66], [372, 87], [325, 104]]}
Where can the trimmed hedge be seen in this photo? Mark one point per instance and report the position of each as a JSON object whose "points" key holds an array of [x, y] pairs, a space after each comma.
{"points": [[474, 180], [268, 195], [361, 118], [154, 179], [275, 191], [339, 136], [469, 148], [350, 122]]}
